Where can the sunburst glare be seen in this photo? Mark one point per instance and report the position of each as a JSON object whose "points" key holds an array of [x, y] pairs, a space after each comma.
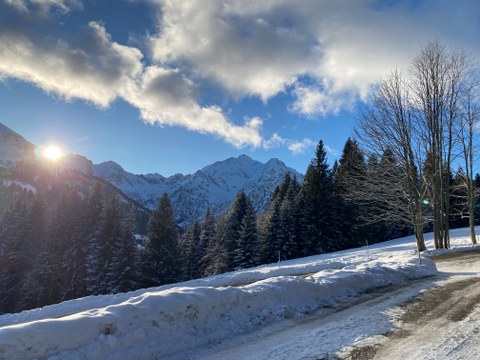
{"points": [[52, 152]]}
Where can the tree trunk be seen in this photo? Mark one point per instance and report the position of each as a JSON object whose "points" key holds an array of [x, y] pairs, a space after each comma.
{"points": [[471, 211], [419, 231]]}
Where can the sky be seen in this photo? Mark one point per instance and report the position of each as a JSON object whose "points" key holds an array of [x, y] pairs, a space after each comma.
{"points": [[170, 86]]}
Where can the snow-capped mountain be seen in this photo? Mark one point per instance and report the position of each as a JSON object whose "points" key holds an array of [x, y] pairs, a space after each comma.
{"points": [[13, 147], [213, 186]]}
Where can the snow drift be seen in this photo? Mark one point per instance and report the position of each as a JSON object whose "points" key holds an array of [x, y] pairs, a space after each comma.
{"points": [[161, 322]]}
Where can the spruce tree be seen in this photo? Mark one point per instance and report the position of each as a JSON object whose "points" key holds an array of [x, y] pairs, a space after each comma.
{"points": [[272, 235], [161, 262], [125, 258], [233, 224], [216, 258], [14, 265], [349, 175], [59, 241], [192, 251], [86, 248], [301, 213], [287, 246], [207, 235], [101, 274], [35, 284], [278, 224], [319, 192], [247, 253]]}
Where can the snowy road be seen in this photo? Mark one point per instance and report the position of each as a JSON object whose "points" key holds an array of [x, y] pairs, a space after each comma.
{"points": [[443, 323]]}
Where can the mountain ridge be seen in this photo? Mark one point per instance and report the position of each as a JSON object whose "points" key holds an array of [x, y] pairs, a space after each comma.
{"points": [[214, 186]]}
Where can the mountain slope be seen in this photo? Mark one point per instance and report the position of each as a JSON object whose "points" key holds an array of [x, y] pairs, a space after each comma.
{"points": [[14, 147], [22, 169], [213, 186]]}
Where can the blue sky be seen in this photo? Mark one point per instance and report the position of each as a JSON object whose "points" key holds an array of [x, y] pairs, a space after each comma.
{"points": [[171, 86]]}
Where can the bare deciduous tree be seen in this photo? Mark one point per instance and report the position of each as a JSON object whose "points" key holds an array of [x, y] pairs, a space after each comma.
{"points": [[436, 81], [467, 124], [387, 125], [415, 114]]}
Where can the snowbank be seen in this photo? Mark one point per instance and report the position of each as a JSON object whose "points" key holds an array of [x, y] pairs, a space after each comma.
{"points": [[161, 322]]}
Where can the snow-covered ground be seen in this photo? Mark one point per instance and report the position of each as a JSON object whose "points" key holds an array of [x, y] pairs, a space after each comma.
{"points": [[186, 319]]}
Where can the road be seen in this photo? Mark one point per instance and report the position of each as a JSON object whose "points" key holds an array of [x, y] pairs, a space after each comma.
{"points": [[432, 318], [443, 323]]}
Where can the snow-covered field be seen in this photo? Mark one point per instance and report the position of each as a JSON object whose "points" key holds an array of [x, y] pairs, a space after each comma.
{"points": [[165, 321]]}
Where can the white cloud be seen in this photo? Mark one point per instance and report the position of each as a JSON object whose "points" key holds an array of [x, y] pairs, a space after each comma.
{"points": [[95, 73], [311, 100], [102, 71], [295, 146], [331, 151], [275, 141], [300, 147], [268, 47], [245, 47], [166, 97], [44, 6]]}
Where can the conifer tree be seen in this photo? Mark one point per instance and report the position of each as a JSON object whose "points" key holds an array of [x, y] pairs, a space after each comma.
{"points": [[207, 234], [287, 246], [279, 223], [35, 284], [233, 223], [319, 189], [101, 266], [61, 230], [13, 262], [83, 254], [126, 259], [271, 236], [192, 250], [216, 258], [303, 230], [162, 254], [350, 172], [247, 252]]}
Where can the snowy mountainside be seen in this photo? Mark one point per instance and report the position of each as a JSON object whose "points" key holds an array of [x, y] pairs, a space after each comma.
{"points": [[14, 147], [76, 162], [213, 186]]}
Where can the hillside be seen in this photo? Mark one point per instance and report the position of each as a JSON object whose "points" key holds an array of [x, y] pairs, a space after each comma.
{"points": [[24, 170], [14, 147]]}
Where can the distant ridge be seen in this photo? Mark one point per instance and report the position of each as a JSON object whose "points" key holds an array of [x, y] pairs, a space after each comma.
{"points": [[214, 186]]}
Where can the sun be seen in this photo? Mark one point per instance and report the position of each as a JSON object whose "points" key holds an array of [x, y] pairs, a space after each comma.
{"points": [[52, 152]]}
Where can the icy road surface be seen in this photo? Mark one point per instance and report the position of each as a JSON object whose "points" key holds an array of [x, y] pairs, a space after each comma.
{"points": [[443, 323]]}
